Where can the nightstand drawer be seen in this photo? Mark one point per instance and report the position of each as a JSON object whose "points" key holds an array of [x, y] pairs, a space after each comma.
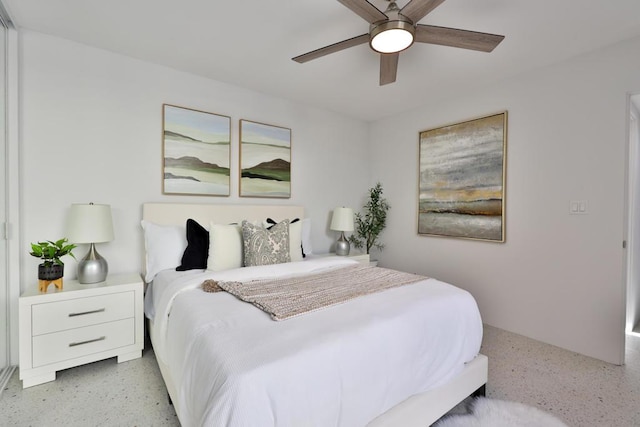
{"points": [[66, 345], [79, 312]]}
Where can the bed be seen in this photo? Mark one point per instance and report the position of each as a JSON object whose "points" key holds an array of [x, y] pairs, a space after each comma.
{"points": [[403, 356]]}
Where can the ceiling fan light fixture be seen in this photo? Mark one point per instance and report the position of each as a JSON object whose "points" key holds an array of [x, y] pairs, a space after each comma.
{"points": [[392, 36]]}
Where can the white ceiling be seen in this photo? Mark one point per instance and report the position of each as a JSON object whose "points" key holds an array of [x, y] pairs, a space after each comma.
{"points": [[250, 43]]}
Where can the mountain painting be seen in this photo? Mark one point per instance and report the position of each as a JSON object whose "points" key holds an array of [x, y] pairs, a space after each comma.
{"points": [[462, 179], [196, 152], [265, 160]]}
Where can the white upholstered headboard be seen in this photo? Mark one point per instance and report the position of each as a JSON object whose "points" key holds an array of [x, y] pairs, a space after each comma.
{"points": [[206, 213], [178, 213]]}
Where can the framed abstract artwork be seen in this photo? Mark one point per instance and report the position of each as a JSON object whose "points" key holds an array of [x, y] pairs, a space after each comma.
{"points": [[265, 160], [196, 152], [462, 179]]}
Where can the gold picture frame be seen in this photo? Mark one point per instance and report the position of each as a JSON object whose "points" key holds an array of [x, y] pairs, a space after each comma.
{"points": [[462, 177], [196, 152], [265, 160]]}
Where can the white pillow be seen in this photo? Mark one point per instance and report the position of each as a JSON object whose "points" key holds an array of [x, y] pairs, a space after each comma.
{"points": [[295, 241], [225, 247], [306, 236], [164, 246]]}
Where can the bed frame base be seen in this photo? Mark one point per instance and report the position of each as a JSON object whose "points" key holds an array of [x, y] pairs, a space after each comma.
{"points": [[481, 392], [426, 408]]}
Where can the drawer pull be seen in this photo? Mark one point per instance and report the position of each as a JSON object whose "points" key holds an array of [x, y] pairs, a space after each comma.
{"points": [[100, 310], [74, 344]]}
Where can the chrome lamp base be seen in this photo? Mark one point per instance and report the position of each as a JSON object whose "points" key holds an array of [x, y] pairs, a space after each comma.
{"points": [[92, 268], [342, 245]]}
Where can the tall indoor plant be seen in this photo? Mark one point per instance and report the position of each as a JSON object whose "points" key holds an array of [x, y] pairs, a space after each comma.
{"points": [[370, 224], [50, 252]]}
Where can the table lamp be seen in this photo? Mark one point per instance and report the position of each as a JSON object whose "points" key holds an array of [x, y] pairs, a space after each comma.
{"points": [[342, 221], [89, 223]]}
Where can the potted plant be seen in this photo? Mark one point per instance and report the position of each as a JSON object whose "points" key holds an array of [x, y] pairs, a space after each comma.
{"points": [[52, 268], [370, 224]]}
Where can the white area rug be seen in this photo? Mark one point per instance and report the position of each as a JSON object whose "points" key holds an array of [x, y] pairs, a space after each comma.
{"points": [[500, 413]]}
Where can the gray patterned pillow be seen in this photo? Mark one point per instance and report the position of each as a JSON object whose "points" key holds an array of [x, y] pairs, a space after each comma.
{"points": [[264, 247]]}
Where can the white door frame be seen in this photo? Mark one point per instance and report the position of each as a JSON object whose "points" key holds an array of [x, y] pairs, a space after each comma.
{"points": [[10, 285], [13, 196], [631, 273]]}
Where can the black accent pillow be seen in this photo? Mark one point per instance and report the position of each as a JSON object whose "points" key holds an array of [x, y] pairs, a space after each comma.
{"points": [[196, 254], [272, 222]]}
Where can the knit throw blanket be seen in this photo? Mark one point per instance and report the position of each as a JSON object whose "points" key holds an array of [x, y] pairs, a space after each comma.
{"points": [[292, 296]]}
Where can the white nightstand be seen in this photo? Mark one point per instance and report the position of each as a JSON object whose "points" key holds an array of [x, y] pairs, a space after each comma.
{"points": [[363, 258], [79, 324]]}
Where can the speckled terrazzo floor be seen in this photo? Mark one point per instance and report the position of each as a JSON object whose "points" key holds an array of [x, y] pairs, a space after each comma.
{"points": [[104, 393], [579, 390]]}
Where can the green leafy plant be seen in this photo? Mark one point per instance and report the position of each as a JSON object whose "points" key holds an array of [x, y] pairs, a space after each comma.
{"points": [[51, 252], [370, 224]]}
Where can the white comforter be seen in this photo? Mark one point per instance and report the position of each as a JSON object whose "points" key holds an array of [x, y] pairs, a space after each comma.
{"points": [[342, 366]]}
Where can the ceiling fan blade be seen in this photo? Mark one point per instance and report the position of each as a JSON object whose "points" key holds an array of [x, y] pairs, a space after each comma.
{"points": [[453, 37], [418, 9], [388, 67], [365, 10], [332, 48]]}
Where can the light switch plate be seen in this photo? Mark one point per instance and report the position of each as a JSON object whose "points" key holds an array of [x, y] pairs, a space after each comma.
{"points": [[578, 207]]}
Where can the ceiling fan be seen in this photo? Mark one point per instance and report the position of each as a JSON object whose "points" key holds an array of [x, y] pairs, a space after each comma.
{"points": [[396, 29]]}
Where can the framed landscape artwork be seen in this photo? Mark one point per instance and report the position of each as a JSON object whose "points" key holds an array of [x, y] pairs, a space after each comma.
{"points": [[265, 160], [462, 179], [196, 152]]}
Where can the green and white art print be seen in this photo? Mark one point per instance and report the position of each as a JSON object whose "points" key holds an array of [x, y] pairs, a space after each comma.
{"points": [[265, 160], [462, 179], [196, 147]]}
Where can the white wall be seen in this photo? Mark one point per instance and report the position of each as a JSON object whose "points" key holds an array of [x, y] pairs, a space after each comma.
{"points": [[558, 277], [92, 131]]}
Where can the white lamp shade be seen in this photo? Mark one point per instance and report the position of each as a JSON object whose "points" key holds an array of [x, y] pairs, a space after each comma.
{"points": [[342, 219], [89, 223]]}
